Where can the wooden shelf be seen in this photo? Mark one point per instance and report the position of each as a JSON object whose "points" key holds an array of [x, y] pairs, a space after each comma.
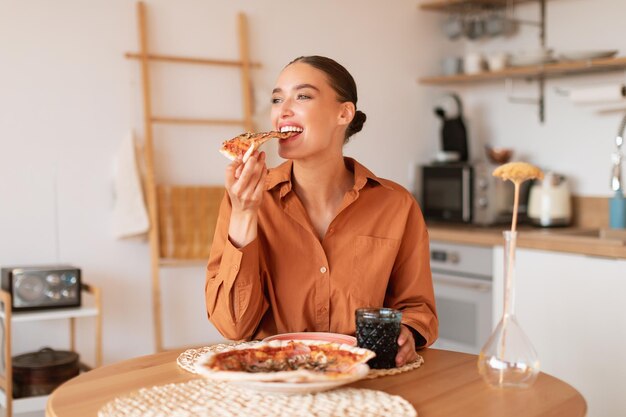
{"points": [[62, 313], [25, 405], [451, 5], [8, 317], [547, 70]]}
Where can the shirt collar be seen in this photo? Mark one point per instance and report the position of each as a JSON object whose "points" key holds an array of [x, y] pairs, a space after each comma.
{"points": [[281, 175]]}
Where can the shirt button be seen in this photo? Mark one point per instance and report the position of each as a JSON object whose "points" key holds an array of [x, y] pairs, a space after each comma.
{"points": [[236, 268], [323, 270], [331, 230]]}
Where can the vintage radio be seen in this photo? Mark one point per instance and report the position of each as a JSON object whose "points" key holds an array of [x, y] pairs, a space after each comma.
{"points": [[42, 287]]}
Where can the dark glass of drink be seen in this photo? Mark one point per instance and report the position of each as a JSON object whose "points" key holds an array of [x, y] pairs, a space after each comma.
{"points": [[377, 329]]}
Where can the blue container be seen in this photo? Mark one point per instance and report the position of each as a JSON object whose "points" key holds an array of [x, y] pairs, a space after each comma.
{"points": [[617, 211]]}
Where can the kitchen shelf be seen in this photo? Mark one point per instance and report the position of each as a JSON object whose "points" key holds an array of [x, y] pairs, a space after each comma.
{"points": [[452, 5], [25, 405], [557, 69], [66, 313], [7, 317]]}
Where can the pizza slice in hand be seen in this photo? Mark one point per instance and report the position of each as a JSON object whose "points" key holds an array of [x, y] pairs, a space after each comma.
{"points": [[245, 144]]}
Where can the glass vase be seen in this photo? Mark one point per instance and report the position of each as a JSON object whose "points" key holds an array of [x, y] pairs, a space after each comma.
{"points": [[508, 359]]}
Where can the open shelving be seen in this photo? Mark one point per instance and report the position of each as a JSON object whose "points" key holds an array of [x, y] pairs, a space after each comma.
{"points": [[451, 5], [557, 69], [7, 316], [538, 73]]}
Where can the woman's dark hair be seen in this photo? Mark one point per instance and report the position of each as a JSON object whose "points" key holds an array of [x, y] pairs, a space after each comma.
{"points": [[342, 82]]}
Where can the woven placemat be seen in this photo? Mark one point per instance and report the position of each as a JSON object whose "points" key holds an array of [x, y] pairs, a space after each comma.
{"points": [[188, 359], [204, 398]]}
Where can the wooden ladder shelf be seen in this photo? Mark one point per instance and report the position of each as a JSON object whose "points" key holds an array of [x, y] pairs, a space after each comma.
{"points": [[182, 218]]}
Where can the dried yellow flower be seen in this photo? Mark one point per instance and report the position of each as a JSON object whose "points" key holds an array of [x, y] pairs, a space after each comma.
{"points": [[518, 172]]}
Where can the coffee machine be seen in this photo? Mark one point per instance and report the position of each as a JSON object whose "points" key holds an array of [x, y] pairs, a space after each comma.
{"points": [[453, 132]]}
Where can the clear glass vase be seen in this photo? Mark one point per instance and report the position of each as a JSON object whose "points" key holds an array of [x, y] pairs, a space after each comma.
{"points": [[508, 359]]}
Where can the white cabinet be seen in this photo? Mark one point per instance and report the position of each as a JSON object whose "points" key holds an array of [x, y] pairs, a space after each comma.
{"points": [[8, 318], [572, 308]]}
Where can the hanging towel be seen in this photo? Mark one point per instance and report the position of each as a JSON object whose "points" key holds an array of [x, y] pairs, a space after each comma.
{"points": [[130, 217]]}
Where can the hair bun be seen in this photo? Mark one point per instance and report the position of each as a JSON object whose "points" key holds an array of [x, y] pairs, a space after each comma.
{"points": [[357, 123]]}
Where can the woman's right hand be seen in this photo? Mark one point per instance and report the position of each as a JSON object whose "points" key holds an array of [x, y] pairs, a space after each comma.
{"points": [[245, 184]]}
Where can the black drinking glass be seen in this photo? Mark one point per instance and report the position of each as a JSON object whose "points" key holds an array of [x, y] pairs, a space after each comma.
{"points": [[377, 329]]}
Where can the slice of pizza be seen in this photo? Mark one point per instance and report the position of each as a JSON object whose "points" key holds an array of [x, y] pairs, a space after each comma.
{"points": [[287, 361], [245, 144]]}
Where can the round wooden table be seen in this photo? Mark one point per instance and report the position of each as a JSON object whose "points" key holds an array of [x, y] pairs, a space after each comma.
{"points": [[447, 384]]}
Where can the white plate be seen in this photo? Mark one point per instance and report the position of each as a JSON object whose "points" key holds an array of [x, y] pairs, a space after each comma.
{"points": [[322, 336], [291, 388], [582, 55], [290, 381]]}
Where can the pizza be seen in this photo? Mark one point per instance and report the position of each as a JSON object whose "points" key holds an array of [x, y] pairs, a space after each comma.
{"points": [[245, 144], [286, 361]]}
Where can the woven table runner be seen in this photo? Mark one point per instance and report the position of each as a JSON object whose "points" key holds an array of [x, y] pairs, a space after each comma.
{"points": [[205, 398], [188, 359]]}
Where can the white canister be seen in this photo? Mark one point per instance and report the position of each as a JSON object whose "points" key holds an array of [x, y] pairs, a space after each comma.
{"points": [[473, 63], [497, 62]]}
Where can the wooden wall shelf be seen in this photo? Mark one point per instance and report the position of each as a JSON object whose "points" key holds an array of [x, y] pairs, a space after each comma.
{"points": [[451, 5], [546, 71]]}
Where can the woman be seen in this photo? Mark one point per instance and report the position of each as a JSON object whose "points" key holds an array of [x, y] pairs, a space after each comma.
{"points": [[301, 246]]}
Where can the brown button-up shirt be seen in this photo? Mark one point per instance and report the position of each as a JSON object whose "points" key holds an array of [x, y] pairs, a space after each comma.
{"points": [[375, 253]]}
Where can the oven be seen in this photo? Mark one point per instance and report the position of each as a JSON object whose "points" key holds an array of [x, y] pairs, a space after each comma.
{"points": [[462, 279]]}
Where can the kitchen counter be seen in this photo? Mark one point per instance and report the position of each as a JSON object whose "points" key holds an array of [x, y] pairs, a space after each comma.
{"points": [[591, 242]]}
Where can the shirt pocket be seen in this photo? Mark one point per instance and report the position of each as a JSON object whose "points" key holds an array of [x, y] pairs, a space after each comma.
{"points": [[373, 262]]}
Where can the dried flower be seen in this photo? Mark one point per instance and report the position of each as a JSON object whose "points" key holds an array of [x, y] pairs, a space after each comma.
{"points": [[518, 172]]}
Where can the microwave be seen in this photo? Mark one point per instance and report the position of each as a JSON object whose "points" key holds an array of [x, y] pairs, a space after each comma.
{"points": [[469, 193]]}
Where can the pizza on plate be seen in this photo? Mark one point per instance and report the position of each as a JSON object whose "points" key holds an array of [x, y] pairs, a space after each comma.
{"points": [[286, 361], [245, 144]]}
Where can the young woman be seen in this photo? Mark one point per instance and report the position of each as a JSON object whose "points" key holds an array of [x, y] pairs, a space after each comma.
{"points": [[300, 247]]}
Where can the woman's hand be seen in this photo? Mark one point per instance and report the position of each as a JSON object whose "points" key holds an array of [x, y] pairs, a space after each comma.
{"points": [[245, 184], [406, 347]]}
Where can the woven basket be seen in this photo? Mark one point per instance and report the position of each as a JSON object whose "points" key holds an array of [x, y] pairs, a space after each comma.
{"points": [[187, 218]]}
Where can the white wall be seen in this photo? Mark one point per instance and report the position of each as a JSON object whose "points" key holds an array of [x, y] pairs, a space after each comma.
{"points": [[68, 97]]}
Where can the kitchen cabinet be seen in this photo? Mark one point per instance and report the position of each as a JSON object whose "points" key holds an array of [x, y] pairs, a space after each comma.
{"points": [[7, 318], [571, 308]]}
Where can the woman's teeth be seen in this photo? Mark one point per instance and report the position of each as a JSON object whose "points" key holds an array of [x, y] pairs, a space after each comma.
{"points": [[291, 129]]}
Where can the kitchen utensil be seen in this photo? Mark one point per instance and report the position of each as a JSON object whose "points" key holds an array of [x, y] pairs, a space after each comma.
{"points": [[498, 24], [582, 55], [497, 62], [474, 27], [453, 132], [549, 202], [498, 155], [452, 65], [473, 63], [453, 27]]}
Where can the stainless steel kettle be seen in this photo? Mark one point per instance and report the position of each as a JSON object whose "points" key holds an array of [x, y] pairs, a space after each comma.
{"points": [[550, 201]]}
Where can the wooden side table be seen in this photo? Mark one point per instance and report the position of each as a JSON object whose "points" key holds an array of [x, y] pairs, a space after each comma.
{"points": [[38, 403]]}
